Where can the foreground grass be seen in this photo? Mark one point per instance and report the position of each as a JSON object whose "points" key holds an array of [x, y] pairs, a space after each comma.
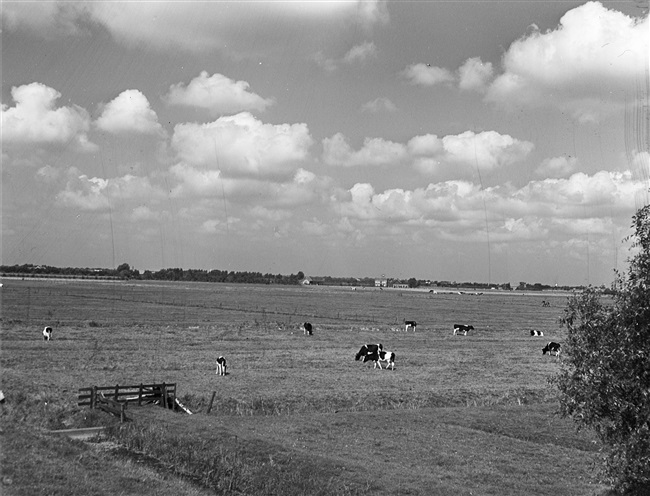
{"points": [[458, 416]]}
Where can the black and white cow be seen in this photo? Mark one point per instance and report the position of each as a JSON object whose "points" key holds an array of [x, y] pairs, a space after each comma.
{"points": [[535, 332], [458, 328], [368, 350], [307, 328], [410, 325], [384, 356], [47, 334], [221, 366], [551, 347]]}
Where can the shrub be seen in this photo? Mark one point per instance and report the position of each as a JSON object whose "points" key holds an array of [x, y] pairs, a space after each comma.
{"points": [[604, 381]]}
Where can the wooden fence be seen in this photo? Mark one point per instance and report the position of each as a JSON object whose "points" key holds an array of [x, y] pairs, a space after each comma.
{"points": [[114, 399]]}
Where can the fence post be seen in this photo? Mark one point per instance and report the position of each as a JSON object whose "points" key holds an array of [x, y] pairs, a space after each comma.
{"points": [[93, 397], [117, 388], [211, 401], [140, 395], [163, 394]]}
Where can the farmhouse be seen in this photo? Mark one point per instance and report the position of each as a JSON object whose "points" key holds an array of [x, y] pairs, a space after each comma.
{"points": [[381, 283]]}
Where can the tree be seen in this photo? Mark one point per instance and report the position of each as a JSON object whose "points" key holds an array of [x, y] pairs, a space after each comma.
{"points": [[604, 381]]}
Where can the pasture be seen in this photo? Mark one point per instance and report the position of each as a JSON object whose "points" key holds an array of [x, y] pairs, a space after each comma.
{"points": [[459, 414]]}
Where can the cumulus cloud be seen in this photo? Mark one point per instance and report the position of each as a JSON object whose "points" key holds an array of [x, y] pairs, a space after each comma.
{"points": [[379, 105], [96, 193], [591, 49], [218, 94], [129, 112], [487, 150], [474, 74], [241, 145], [195, 25], [457, 210], [375, 151], [427, 75], [360, 53], [35, 120], [557, 166]]}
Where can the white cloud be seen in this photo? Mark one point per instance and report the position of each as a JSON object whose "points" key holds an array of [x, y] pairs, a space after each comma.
{"points": [[487, 150], [375, 151], [218, 94], [589, 65], [474, 74], [194, 25], [95, 193], [458, 210], [427, 75], [35, 120], [129, 112], [241, 145], [379, 105], [360, 53], [557, 167]]}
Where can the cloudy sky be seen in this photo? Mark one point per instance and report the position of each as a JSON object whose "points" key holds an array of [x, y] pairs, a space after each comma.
{"points": [[493, 141]]}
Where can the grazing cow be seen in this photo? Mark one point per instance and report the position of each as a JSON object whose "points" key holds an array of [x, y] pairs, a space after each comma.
{"points": [[47, 334], [551, 347], [546, 303], [410, 325], [458, 328], [368, 350], [221, 366], [384, 356], [308, 328], [534, 332]]}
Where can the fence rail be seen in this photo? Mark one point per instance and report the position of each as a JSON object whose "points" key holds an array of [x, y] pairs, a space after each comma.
{"points": [[114, 399]]}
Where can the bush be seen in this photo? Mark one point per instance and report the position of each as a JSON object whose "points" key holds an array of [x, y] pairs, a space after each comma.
{"points": [[604, 381]]}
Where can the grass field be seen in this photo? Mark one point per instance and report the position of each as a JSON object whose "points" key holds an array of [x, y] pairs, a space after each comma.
{"points": [[296, 414]]}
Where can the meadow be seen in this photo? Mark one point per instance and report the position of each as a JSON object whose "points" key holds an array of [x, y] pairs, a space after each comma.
{"points": [[297, 414]]}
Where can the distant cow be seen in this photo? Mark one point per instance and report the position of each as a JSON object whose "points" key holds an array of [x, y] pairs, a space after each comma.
{"points": [[368, 349], [458, 328], [221, 366], [534, 332], [410, 325], [47, 334], [551, 347], [308, 328]]}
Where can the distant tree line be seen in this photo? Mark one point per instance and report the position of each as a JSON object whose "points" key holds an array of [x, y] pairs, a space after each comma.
{"points": [[125, 271]]}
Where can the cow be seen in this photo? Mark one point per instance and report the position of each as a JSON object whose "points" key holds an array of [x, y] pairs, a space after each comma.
{"points": [[551, 347], [384, 356], [368, 349], [534, 332], [410, 325], [307, 328], [47, 334], [221, 366], [458, 328]]}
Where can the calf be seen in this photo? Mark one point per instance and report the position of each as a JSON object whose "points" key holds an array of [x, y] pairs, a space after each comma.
{"points": [[410, 325], [221, 366], [551, 347], [534, 332], [384, 356], [308, 328], [47, 334], [458, 328]]}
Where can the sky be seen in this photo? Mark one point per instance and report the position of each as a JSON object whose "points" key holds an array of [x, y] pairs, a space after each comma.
{"points": [[491, 141]]}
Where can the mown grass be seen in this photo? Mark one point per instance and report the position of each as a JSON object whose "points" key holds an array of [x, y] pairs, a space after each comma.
{"points": [[296, 414]]}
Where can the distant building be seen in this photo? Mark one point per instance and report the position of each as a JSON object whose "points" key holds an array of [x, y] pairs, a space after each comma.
{"points": [[381, 283], [400, 286]]}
